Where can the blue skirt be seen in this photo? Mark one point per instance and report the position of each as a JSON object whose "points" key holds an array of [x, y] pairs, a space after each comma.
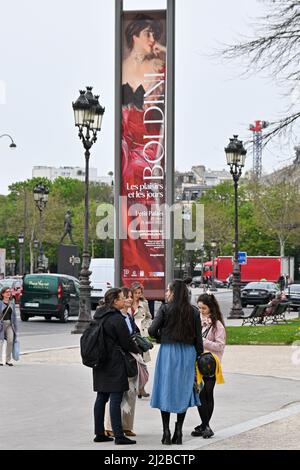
{"points": [[173, 387]]}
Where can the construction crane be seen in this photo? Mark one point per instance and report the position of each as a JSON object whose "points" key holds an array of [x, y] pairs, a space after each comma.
{"points": [[257, 129]]}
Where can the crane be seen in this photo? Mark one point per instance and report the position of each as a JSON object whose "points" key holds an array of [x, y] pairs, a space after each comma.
{"points": [[257, 129]]}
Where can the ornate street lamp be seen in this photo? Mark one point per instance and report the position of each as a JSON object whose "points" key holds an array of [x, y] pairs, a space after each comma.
{"points": [[12, 145], [88, 114], [41, 195], [21, 251], [13, 258], [35, 246], [236, 157]]}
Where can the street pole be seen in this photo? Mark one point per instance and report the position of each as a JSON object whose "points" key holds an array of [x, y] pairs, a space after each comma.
{"points": [[236, 311], [88, 115], [236, 156]]}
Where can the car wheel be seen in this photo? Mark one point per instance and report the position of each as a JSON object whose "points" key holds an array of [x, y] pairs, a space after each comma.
{"points": [[244, 305], [24, 317], [64, 316], [48, 318]]}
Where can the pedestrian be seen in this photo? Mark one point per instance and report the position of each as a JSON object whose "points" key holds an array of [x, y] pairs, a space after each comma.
{"points": [[188, 282], [143, 319], [281, 281], [177, 326], [128, 416], [214, 340], [8, 324], [110, 380]]}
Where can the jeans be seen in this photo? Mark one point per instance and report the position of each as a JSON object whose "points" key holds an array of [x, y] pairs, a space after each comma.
{"points": [[115, 412]]}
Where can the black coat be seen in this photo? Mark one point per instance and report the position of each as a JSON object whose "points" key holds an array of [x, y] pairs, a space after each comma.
{"points": [[112, 376], [159, 329]]}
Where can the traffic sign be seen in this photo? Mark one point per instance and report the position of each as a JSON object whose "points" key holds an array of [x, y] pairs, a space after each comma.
{"points": [[242, 257]]}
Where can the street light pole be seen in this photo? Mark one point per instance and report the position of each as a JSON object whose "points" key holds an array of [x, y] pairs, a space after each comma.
{"points": [[236, 156], [41, 194], [12, 145], [21, 246], [213, 286], [88, 115]]}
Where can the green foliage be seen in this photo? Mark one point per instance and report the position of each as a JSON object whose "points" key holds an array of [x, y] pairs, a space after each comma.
{"points": [[18, 213]]}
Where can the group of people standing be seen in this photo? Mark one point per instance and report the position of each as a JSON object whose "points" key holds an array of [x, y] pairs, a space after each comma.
{"points": [[184, 332]]}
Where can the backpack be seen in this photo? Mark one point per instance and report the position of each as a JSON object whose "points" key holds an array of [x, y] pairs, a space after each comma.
{"points": [[92, 344]]}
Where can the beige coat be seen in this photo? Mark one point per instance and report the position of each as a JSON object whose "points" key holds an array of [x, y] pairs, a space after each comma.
{"points": [[143, 320]]}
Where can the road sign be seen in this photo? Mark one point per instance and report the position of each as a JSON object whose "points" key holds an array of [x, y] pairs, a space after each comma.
{"points": [[242, 257]]}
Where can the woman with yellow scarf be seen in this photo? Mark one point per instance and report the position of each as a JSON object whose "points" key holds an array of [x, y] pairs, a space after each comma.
{"points": [[214, 340]]}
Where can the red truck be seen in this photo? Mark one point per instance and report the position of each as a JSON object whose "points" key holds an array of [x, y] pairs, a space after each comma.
{"points": [[257, 268]]}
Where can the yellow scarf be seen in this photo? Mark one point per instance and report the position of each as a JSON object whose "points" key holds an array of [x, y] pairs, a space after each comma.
{"points": [[219, 373]]}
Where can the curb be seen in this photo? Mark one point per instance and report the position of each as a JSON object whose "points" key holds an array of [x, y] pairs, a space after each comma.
{"points": [[61, 348]]}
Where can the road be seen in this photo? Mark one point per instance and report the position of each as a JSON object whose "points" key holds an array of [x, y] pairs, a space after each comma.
{"points": [[40, 334]]}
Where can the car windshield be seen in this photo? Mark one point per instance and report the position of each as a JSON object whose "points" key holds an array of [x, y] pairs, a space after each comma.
{"points": [[260, 285]]}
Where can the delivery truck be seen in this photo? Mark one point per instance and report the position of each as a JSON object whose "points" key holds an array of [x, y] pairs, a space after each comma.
{"points": [[256, 268]]}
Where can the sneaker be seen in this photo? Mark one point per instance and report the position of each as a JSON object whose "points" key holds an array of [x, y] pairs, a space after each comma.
{"points": [[207, 433], [102, 438], [1, 364], [9, 364], [124, 441]]}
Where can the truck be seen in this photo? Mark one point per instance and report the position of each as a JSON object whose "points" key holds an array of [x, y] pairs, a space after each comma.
{"points": [[268, 268], [102, 278]]}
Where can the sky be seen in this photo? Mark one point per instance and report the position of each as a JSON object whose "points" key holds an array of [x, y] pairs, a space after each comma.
{"points": [[52, 48]]}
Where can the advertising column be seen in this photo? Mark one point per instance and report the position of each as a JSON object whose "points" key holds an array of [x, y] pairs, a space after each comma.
{"points": [[142, 246]]}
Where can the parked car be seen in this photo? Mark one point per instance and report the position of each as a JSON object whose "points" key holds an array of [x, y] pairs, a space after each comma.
{"points": [[49, 295], [258, 293], [15, 285], [293, 296]]}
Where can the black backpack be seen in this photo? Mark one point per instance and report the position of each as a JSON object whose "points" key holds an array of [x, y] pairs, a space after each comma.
{"points": [[92, 344]]}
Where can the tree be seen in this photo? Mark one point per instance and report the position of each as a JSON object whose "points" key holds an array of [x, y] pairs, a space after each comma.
{"points": [[275, 49]]}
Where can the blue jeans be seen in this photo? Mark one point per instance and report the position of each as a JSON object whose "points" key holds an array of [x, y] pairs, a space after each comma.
{"points": [[115, 412]]}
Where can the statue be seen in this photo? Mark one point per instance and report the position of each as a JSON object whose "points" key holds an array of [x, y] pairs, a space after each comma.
{"points": [[68, 227]]}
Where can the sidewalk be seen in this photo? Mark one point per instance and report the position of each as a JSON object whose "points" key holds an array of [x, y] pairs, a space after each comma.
{"points": [[52, 400]]}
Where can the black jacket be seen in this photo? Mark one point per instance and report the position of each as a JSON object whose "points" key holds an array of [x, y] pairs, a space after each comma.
{"points": [[112, 376], [159, 329]]}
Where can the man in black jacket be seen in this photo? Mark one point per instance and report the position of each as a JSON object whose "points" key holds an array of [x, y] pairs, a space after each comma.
{"points": [[110, 380]]}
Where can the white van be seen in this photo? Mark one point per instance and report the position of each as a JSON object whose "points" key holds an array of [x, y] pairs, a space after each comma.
{"points": [[102, 278]]}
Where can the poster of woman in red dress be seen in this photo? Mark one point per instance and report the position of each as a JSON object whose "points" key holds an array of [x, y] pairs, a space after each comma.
{"points": [[143, 150]]}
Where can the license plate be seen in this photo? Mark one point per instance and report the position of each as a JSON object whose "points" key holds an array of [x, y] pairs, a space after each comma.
{"points": [[31, 304], [254, 293]]}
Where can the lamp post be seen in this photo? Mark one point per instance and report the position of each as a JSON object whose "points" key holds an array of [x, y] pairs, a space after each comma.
{"points": [[21, 251], [12, 145], [41, 195], [13, 258], [35, 246], [236, 157], [88, 114], [213, 248]]}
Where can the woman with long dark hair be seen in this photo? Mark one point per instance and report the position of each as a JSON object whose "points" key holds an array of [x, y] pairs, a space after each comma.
{"points": [[214, 340], [177, 327]]}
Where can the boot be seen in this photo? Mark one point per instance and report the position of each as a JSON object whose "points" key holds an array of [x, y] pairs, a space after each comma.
{"points": [[177, 436], [166, 439]]}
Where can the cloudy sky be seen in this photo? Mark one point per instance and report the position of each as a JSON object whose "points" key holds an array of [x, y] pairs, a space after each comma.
{"points": [[51, 48]]}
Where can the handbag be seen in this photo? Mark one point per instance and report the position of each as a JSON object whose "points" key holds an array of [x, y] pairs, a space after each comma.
{"points": [[207, 365], [130, 364], [143, 343], [16, 350]]}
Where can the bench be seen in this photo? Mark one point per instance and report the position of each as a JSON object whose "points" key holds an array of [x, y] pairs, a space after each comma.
{"points": [[278, 313], [256, 316]]}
